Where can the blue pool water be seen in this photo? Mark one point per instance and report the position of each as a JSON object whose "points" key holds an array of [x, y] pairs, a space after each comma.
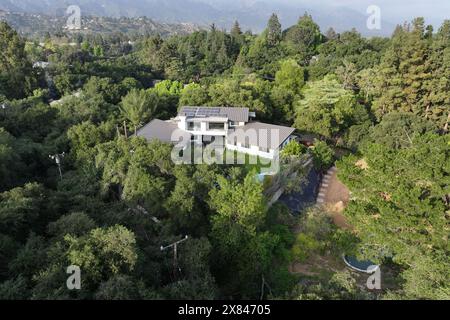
{"points": [[360, 265]]}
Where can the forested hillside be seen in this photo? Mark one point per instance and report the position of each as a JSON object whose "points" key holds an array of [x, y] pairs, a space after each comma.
{"points": [[38, 26], [384, 101]]}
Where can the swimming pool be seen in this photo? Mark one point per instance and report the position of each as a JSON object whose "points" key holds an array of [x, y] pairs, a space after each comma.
{"points": [[365, 266]]}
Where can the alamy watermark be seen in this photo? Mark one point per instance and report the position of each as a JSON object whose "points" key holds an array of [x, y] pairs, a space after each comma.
{"points": [[374, 20], [74, 280], [374, 281], [74, 17], [241, 146]]}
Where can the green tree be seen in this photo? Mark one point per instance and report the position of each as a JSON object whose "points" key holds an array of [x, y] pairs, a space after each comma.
{"points": [[76, 224], [140, 187], [290, 76], [305, 37], [398, 129], [238, 231], [85, 136], [14, 289], [323, 155], [293, 149], [30, 255], [232, 93], [123, 161], [194, 95], [236, 31], [405, 72], [138, 106], [347, 74], [21, 210], [399, 209], [341, 286], [197, 282], [16, 77], [9, 160], [119, 287], [327, 108], [289, 80], [274, 33], [103, 252], [241, 203], [437, 101], [347, 47]]}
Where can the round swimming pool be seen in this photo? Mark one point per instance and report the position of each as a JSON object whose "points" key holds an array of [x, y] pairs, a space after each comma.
{"points": [[365, 266]]}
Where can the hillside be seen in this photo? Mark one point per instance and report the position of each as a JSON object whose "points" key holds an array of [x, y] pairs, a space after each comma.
{"points": [[252, 15], [38, 25]]}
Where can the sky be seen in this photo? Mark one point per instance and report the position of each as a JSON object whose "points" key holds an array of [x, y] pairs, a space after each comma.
{"points": [[395, 11]]}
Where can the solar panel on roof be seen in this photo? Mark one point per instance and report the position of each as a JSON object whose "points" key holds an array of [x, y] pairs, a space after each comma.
{"points": [[207, 111], [204, 112]]}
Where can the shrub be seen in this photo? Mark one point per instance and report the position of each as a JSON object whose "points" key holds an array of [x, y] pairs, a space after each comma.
{"points": [[303, 247]]}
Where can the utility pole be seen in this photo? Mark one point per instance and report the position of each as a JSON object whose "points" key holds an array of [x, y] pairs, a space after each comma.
{"points": [[4, 110], [118, 131], [175, 248], [57, 157], [125, 129]]}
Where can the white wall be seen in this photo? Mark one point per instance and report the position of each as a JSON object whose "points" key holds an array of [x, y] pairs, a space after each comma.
{"points": [[253, 150], [182, 123]]}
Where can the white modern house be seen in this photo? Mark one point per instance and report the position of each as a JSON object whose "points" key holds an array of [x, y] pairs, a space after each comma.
{"points": [[234, 128]]}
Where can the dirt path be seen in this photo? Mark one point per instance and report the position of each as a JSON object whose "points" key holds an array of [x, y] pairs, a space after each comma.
{"points": [[317, 265], [334, 195]]}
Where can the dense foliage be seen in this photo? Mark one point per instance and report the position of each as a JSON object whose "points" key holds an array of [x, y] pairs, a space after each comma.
{"points": [[121, 198]]}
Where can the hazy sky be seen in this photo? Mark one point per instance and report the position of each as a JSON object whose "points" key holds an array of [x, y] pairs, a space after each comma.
{"points": [[396, 11], [433, 9], [403, 9]]}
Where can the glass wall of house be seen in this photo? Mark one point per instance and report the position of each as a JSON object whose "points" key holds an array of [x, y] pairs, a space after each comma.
{"points": [[194, 126], [216, 126]]}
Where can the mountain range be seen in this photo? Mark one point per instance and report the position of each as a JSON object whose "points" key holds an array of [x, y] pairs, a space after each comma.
{"points": [[252, 14]]}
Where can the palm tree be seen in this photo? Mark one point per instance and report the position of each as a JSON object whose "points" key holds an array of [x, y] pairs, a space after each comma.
{"points": [[139, 106]]}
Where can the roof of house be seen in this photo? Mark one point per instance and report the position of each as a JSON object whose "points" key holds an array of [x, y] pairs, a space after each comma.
{"points": [[260, 134], [233, 114], [164, 131]]}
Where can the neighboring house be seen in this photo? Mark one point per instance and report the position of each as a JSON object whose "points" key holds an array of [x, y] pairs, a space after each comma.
{"points": [[41, 64], [234, 128], [76, 94]]}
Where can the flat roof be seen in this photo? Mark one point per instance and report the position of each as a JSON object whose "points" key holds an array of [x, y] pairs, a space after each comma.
{"points": [[231, 113], [209, 119], [261, 134], [163, 130]]}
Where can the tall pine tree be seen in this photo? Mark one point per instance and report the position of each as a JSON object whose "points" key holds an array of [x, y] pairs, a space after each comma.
{"points": [[438, 100], [274, 32], [405, 70]]}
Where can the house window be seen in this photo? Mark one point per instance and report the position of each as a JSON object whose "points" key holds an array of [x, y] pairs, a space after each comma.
{"points": [[233, 123], [216, 126], [194, 126]]}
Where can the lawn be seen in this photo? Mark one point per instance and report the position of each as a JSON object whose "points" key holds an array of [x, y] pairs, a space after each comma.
{"points": [[249, 162]]}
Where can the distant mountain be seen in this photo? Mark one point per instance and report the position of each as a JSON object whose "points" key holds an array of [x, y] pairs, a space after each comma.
{"points": [[252, 14], [38, 25]]}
